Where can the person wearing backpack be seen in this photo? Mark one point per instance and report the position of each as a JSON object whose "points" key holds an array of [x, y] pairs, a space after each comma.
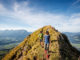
{"points": [[41, 38], [46, 44]]}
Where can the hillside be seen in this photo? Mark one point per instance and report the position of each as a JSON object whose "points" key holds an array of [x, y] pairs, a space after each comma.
{"points": [[30, 49], [9, 39], [74, 38]]}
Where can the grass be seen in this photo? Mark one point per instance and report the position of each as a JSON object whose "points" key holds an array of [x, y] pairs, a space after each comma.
{"points": [[8, 46], [5, 48], [3, 52], [76, 45], [31, 48]]}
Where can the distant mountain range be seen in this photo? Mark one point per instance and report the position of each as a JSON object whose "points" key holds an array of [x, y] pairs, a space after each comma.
{"points": [[12, 36], [74, 38]]}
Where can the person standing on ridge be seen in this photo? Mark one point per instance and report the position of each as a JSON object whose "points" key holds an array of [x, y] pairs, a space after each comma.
{"points": [[41, 38], [47, 41]]}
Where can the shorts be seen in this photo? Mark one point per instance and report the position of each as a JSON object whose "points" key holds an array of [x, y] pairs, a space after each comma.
{"points": [[46, 46]]}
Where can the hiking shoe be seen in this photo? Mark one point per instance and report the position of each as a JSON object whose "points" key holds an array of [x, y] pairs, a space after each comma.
{"points": [[47, 56]]}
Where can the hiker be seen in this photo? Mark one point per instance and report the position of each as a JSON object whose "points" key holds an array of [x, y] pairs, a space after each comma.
{"points": [[41, 37], [47, 41]]}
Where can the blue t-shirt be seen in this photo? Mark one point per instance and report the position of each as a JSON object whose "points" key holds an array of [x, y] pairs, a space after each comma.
{"points": [[46, 37]]}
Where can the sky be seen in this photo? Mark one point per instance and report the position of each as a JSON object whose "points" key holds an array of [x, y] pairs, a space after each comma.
{"points": [[31, 15]]}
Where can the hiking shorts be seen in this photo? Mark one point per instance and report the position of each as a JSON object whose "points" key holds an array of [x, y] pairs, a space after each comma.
{"points": [[46, 46]]}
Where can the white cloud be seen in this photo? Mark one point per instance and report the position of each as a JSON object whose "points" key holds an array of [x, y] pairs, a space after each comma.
{"points": [[76, 4], [40, 18], [73, 25]]}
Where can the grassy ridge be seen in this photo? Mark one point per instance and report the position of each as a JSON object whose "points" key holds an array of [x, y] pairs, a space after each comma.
{"points": [[60, 48]]}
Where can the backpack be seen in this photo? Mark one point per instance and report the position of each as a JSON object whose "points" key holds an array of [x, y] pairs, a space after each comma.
{"points": [[41, 35]]}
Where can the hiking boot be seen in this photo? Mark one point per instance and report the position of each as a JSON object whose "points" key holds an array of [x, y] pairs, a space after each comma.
{"points": [[47, 56]]}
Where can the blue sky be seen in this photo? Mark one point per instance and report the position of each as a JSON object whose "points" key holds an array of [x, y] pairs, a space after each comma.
{"points": [[64, 15]]}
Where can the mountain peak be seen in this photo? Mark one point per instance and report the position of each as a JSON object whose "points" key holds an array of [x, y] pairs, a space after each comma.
{"points": [[30, 48]]}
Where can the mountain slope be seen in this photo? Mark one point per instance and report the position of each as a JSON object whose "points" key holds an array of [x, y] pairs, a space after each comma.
{"points": [[9, 39], [74, 39], [30, 49]]}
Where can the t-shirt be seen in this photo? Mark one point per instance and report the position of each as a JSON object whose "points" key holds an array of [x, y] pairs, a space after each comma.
{"points": [[41, 36], [47, 38]]}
